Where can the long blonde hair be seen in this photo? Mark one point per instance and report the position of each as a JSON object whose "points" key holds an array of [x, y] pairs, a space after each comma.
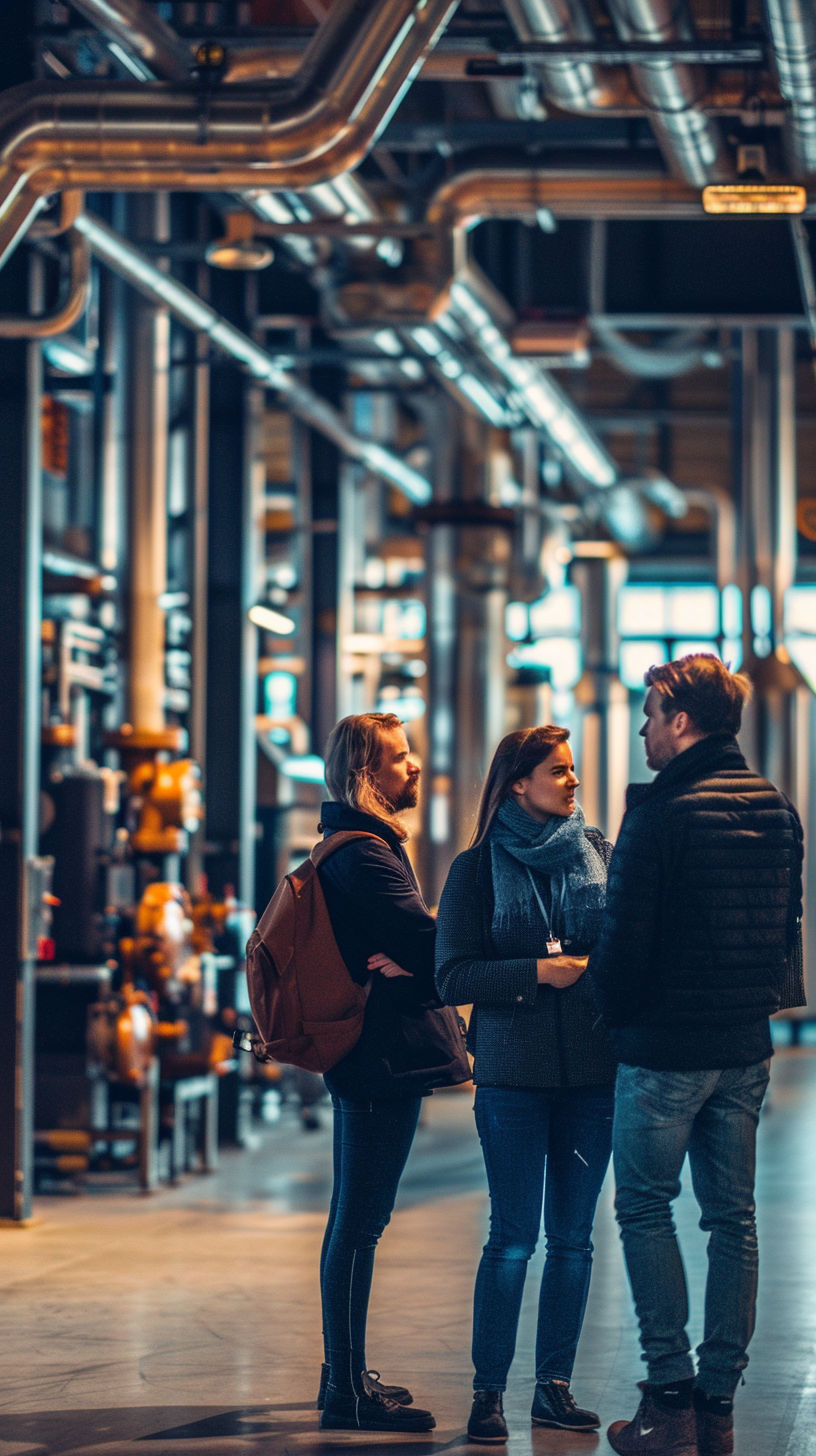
{"points": [[353, 755]]}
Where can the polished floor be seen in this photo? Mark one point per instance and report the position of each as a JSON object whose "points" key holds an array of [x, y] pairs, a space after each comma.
{"points": [[189, 1319]]}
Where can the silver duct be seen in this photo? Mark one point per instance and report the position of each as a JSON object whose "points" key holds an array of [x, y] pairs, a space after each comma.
{"points": [[691, 142], [136, 269], [572, 85], [792, 24]]}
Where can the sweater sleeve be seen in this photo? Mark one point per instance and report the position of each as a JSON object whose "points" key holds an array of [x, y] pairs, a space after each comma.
{"points": [[621, 966], [464, 975], [386, 911]]}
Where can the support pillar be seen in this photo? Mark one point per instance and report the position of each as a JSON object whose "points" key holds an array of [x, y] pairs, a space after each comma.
{"points": [[20, 612], [603, 761]]}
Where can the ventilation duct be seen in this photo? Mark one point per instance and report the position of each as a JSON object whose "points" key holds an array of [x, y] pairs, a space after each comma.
{"points": [[691, 142], [136, 269], [792, 24], [130, 137]]}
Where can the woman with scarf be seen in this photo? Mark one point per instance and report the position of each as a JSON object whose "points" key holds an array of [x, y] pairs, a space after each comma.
{"points": [[519, 914]]}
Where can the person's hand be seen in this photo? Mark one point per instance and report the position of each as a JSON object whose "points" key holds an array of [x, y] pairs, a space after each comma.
{"points": [[561, 971], [386, 967]]}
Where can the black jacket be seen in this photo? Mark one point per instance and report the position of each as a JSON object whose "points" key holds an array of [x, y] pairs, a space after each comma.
{"points": [[521, 1034], [374, 904], [703, 902]]}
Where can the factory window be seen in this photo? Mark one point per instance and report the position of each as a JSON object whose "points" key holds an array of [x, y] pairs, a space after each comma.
{"points": [[661, 621], [800, 630]]}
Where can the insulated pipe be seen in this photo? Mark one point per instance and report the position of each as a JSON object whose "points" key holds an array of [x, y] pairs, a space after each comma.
{"points": [[474, 196], [14, 326], [571, 85], [792, 24], [132, 137], [691, 142], [130, 264]]}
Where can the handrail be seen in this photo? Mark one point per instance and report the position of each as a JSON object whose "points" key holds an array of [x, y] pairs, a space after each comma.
{"points": [[65, 315]]}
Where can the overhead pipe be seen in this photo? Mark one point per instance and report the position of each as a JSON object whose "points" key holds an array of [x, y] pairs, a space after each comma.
{"points": [[571, 85], [126, 260], [66, 314], [691, 142], [139, 28], [131, 137], [792, 24], [136, 25], [490, 192]]}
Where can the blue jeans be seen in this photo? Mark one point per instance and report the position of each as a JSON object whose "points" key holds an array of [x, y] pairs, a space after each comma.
{"points": [[712, 1116], [372, 1141], [522, 1131]]}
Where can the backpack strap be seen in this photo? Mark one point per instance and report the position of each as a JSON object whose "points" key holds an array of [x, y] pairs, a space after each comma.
{"points": [[336, 841]]}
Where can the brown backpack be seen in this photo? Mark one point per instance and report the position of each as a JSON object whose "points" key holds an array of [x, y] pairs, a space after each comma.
{"points": [[308, 1010]]}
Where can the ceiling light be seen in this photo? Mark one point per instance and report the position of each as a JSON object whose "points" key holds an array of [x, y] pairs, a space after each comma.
{"points": [[68, 355], [754, 197], [271, 621], [307, 769], [546, 221], [238, 249]]}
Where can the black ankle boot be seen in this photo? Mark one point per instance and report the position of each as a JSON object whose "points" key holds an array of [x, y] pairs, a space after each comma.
{"points": [[487, 1424], [554, 1405], [371, 1381], [370, 1411]]}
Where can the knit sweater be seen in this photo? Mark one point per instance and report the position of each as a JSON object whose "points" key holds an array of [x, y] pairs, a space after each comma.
{"points": [[521, 1034]]}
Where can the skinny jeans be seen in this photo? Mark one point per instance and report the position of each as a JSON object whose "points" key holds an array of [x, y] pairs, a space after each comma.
{"points": [[524, 1132], [372, 1141], [712, 1116]]}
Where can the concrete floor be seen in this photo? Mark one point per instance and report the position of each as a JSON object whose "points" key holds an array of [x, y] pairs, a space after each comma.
{"points": [[190, 1318]]}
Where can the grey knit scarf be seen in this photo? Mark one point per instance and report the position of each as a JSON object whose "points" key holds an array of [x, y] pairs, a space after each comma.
{"points": [[525, 854]]}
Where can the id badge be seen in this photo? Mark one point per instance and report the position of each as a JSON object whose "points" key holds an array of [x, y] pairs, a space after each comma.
{"points": [[553, 947]]}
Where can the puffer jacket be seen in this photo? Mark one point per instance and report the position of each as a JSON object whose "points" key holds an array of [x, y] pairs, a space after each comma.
{"points": [[704, 899]]}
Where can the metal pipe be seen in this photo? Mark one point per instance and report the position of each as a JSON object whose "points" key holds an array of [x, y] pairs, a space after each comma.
{"points": [[132, 265], [691, 142], [138, 28], [135, 137], [571, 85], [65, 315], [792, 24], [474, 196], [804, 268]]}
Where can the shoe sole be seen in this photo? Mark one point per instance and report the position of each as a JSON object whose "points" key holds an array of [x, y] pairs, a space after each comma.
{"points": [[561, 1426], [349, 1425], [489, 1440]]}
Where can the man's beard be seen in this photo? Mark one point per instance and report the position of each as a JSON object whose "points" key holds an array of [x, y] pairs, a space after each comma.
{"points": [[409, 797]]}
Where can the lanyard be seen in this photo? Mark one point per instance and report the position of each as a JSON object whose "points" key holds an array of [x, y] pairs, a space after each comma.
{"points": [[561, 900]]}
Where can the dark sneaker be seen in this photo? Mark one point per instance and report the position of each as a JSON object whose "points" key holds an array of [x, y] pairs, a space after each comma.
{"points": [[715, 1433], [372, 1384], [371, 1412], [655, 1431], [487, 1424], [554, 1405]]}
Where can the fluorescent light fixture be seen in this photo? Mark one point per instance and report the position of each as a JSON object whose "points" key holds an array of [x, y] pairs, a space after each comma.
{"points": [[543, 401], [68, 355], [427, 341], [481, 396], [130, 62], [761, 612], [130, 264], [306, 769], [557, 614], [271, 621], [754, 197], [691, 649], [731, 611], [169, 600], [387, 341], [408, 708]]}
